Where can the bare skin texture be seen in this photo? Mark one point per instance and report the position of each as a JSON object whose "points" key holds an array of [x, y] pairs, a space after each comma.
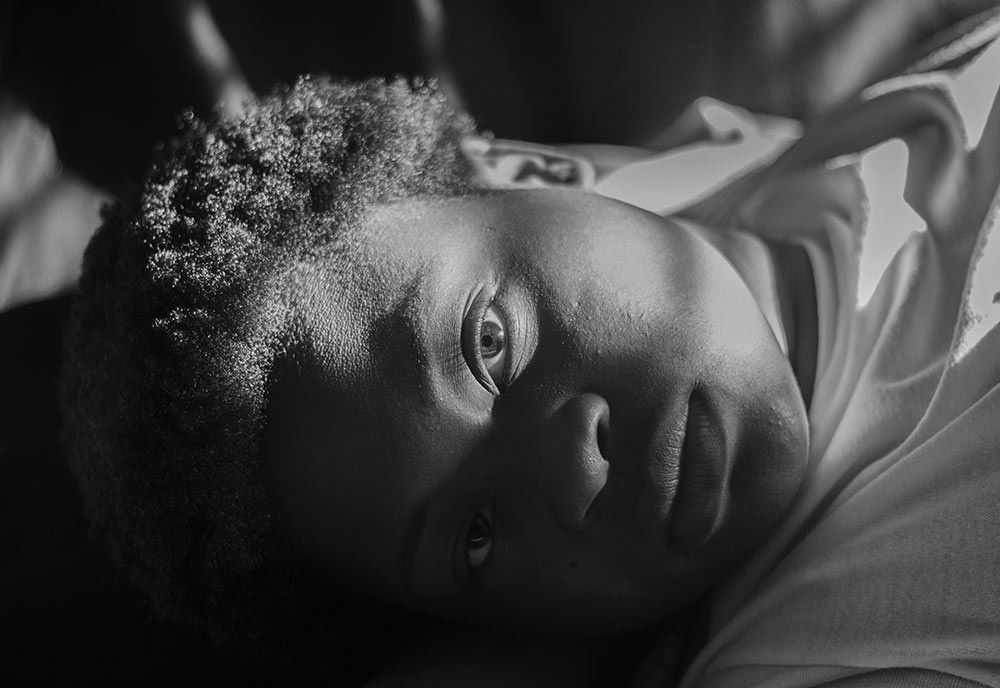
{"points": [[540, 410]]}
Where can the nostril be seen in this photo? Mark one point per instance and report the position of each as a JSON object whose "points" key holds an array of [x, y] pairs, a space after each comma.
{"points": [[604, 437], [581, 438]]}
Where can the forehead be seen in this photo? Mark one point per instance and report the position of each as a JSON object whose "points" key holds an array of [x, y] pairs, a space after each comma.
{"points": [[521, 230], [399, 257], [404, 254], [503, 214]]}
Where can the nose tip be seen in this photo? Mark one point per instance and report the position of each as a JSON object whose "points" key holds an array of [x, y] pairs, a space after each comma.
{"points": [[578, 457]]}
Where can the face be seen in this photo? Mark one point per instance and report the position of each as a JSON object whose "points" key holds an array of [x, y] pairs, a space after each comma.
{"points": [[541, 410]]}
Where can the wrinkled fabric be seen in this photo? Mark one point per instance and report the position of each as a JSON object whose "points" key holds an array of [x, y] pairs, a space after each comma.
{"points": [[886, 570], [890, 555]]}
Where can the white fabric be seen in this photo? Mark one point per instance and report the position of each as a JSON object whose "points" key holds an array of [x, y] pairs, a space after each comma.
{"points": [[890, 556]]}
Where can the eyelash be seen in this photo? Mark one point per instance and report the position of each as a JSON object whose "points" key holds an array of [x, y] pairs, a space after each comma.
{"points": [[473, 560], [472, 332]]}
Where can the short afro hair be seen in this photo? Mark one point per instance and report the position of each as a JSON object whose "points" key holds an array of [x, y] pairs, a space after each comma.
{"points": [[179, 324]]}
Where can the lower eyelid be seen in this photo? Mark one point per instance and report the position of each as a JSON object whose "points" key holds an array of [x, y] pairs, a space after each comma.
{"points": [[515, 352], [523, 336], [494, 526]]}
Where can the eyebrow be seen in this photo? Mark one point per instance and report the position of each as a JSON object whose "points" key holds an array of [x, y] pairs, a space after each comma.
{"points": [[411, 541]]}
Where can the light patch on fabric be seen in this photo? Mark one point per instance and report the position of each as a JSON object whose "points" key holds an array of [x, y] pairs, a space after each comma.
{"points": [[890, 218], [983, 302]]}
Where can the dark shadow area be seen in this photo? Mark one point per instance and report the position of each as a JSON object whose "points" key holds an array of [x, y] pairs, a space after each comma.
{"points": [[68, 615], [110, 78]]}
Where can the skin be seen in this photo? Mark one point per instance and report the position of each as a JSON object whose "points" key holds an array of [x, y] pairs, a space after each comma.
{"points": [[645, 432]]}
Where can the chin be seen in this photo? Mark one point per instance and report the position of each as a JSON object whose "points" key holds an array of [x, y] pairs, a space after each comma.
{"points": [[766, 477]]}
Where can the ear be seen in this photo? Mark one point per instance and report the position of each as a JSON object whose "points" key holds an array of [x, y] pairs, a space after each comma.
{"points": [[517, 164]]}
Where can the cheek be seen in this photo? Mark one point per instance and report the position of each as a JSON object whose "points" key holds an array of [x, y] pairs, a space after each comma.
{"points": [[596, 325], [767, 426], [775, 450]]}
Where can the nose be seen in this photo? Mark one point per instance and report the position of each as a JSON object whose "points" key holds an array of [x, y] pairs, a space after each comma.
{"points": [[572, 465]]}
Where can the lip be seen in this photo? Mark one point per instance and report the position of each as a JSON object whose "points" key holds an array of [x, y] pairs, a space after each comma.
{"points": [[697, 508], [657, 486]]}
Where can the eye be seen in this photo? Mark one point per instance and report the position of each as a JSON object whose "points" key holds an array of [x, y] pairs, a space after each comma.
{"points": [[493, 343], [479, 539], [486, 343]]}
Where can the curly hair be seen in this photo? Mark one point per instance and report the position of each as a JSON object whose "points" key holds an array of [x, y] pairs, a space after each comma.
{"points": [[181, 318]]}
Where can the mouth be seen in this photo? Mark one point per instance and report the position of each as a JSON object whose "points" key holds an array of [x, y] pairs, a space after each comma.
{"points": [[696, 511]]}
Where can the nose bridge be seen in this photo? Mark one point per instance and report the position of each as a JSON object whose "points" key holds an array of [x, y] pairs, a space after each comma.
{"points": [[570, 468]]}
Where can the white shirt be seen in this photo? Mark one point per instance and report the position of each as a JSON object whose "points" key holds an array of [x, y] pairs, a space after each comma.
{"points": [[887, 567]]}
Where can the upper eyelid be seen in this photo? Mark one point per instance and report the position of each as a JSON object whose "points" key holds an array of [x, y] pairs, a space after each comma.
{"points": [[461, 570], [476, 307], [491, 507], [520, 313]]}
